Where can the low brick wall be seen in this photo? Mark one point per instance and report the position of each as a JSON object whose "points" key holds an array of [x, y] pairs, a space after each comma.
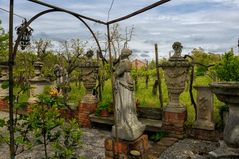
{"points": [[149, 113]]}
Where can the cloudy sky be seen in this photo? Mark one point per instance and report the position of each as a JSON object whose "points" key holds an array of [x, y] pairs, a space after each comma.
{"points": [[210, 24]]}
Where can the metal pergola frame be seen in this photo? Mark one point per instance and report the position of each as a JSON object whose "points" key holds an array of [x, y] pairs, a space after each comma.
{"points": [[82, 18]]}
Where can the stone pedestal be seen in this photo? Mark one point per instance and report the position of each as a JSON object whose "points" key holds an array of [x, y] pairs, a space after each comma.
{"points": [[37, 88], [37, 83], [173, 123], [87, 106], [123, 147], [204, 109], [228, 93]]}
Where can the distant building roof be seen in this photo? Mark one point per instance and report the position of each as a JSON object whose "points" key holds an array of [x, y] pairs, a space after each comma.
{"points": [[138, 63]]}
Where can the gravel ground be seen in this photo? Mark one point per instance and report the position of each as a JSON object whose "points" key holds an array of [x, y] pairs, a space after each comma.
{"points": [[93, 147], [189, 149]]}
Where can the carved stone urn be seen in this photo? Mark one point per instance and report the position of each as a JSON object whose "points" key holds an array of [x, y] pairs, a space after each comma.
{"points": [[176, 71], [4, 73], [89, 77], [228, 92], [37, 83]]}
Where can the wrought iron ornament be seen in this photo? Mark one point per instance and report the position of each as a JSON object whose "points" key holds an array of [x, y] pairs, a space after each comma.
{"points": [[25, 39]]}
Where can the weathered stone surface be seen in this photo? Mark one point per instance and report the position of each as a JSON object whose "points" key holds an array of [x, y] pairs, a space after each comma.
{"points": [[37, 83], [176, 74], [203, 134], [167, 141], [204, 108], [127, 124], [225, 152], [229, 93]]}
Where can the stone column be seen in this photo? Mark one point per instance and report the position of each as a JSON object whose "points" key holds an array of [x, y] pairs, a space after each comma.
{"points": [[176, 72], [3, 92], [204, 108], [37, 83]]}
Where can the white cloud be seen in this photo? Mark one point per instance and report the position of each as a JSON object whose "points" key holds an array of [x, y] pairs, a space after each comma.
{"points": [[210, 24]]}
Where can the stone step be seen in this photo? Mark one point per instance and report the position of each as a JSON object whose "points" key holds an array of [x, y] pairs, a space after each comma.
{"points": [[152, 125]]}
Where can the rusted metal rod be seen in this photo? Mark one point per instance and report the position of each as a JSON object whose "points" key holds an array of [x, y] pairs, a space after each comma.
{"points": [[65, 10], [113, 94], [158, 77], [100, 21], [10, 69], [139, 11], [49, 11]]}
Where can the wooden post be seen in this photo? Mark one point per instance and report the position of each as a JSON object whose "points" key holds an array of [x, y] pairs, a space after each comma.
{"points": [[147, 76], [99, 78], [158, 76]]}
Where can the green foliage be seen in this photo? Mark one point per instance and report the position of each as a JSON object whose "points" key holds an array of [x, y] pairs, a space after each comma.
{"points": [[228, 69], [3, 44], [66, 146], [204, 59], [49, 128], [158, 136], [104, 105], [21, 131]]}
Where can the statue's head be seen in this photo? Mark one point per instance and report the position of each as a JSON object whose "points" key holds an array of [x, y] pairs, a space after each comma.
{"points": [[177, 47], [125, 52]]}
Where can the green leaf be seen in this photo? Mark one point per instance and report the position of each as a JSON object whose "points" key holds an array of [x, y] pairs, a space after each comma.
{"points": [[2, 123], [5, 85]]}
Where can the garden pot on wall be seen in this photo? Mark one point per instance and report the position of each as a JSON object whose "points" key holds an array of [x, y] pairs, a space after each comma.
{"points": [[104, 113]]}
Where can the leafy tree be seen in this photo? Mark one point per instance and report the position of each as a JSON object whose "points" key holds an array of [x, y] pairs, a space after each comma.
{"points": [[204, 60], [228, 70], [3, 44]]}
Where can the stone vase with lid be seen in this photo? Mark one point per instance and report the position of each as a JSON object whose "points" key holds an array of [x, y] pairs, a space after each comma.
{"points": [[37, 83], [176, 71], [89, 77]]}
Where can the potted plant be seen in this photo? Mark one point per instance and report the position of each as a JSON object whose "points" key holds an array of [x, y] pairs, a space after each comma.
{"points": [[103, 109]]}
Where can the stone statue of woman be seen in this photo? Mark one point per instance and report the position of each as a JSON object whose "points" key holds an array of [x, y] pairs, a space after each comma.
{"points": [[127, 124]]}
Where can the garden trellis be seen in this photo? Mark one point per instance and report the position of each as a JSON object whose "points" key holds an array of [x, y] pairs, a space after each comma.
{"points": [[82, 18]]}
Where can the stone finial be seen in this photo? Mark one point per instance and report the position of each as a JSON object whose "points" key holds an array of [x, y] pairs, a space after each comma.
{"points": [[177, 47]]}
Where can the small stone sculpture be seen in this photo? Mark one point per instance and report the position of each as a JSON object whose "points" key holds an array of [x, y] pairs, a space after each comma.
{"points": [[127, 124], [61, 75], [177, 47]]}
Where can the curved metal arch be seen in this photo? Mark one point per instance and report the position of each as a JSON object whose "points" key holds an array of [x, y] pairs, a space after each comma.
{"points": [[49, 11]]}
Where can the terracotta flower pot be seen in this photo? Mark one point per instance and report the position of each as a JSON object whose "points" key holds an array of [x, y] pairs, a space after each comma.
{"points": [[104, 113]]}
